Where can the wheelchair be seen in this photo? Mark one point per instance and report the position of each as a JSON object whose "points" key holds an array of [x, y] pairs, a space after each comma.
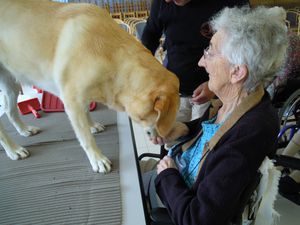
{"points": [[287, 101], [289, 114]]}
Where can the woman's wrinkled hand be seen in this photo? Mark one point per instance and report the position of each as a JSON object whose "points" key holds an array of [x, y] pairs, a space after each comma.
{"points": [[165, 163], [179, 129], [157, 140]]}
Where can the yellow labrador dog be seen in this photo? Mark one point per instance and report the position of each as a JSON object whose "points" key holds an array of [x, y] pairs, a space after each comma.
{"points": [[79, 53]]}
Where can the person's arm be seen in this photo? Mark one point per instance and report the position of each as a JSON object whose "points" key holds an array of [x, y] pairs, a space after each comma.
{"points": [[154, 27], [180, 131], [202, 94]]}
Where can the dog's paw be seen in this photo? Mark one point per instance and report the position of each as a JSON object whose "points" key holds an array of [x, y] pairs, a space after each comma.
{"points": [[29, 131], [97, 128], [101, 165], [19, 153]]}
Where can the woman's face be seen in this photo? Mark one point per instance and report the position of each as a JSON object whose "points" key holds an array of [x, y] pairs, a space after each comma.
{"points": [[216, 65], [179, 2]]}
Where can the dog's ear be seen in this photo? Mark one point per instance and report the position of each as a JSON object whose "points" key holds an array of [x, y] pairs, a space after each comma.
{"points": [[166, 108]]}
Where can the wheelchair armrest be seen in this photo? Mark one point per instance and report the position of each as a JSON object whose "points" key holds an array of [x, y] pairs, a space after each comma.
{"points": [[160, 216], [287, 161], [162, 153], [152, 155]]}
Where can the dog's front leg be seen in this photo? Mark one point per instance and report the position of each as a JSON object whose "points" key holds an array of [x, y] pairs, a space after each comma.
{"points": [[80, 123]]}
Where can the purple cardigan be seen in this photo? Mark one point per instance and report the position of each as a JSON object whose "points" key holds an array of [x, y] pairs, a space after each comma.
{"points": [[226, 172]]}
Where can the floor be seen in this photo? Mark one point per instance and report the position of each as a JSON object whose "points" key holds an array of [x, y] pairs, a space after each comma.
{"points": [[289, 211]]}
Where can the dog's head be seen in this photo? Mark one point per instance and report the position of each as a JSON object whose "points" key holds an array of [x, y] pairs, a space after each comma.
{"points": [[156, 113], [156, 110]]}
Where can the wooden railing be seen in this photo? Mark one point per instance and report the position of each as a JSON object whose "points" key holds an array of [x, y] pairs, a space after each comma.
{"points": [[122, 9]]}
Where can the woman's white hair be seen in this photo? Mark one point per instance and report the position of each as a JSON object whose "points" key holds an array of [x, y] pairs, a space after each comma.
{"points": [[256, 38]]}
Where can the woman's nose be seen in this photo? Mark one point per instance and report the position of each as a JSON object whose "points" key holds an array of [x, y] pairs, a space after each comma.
{"points": [[201, 62]]}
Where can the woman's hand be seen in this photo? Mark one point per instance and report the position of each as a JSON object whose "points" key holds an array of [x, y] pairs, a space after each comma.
{"points": [[202, 94], [179, 129], [158, 140], [165, 163]]}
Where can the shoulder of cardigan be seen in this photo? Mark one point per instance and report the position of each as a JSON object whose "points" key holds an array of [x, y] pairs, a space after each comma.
{"points": [[249, 102]]}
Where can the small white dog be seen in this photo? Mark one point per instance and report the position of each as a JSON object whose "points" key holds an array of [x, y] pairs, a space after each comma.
{"points": [[77, 52]]}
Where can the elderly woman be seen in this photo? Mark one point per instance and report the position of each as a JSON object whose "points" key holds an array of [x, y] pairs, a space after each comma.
{"points": [[202, 180]]}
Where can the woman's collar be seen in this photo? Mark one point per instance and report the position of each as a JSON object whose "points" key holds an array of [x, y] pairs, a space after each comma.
{"points": [[248, 103]]}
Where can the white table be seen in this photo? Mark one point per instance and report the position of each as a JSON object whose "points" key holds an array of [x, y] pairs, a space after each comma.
{"points": [[133, 211]]}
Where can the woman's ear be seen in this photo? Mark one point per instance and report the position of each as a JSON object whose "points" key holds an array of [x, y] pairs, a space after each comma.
{"points": [[239, 73]]}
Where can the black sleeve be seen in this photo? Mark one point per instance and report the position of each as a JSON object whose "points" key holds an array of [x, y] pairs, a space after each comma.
{"points": [[154, 27]]}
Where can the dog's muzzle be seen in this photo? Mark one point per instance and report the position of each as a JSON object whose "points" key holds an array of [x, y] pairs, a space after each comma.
{"points": [[151, 132]]}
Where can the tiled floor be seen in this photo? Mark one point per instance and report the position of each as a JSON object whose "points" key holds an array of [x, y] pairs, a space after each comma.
{"points": [[289, 212]]}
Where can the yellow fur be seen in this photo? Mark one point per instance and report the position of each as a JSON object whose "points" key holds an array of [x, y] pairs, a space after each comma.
{"points": [[79, 53]]}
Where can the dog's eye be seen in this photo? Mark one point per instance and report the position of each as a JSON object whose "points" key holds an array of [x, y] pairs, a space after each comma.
{"points": [[148, 133]]}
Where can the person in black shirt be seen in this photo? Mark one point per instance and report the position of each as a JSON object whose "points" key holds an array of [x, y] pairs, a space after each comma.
{"points": [[181, 21]]}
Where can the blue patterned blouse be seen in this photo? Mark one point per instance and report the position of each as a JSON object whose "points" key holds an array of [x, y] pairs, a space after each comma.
{"points": [[188, 162]]}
